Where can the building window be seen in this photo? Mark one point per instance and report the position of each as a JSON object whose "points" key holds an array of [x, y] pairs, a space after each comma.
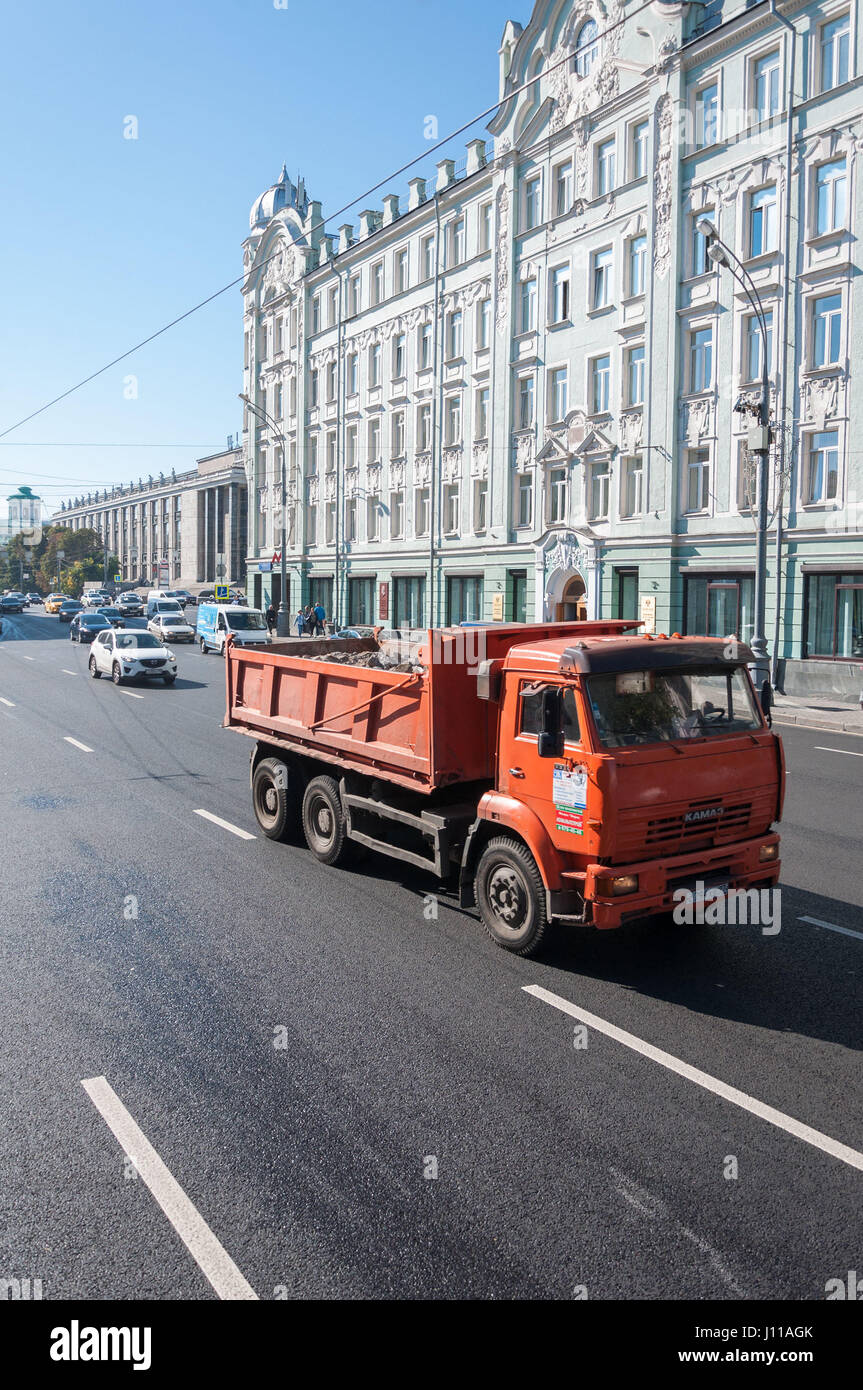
{"points": [[427, 257], [330, 455], [635, 375], [398, 435], [532, 213], [330, 523], [638, 149], [602, 264], [480, 502], [557, 498], [563, 188], [826, 330], [698, 480], [311, 521], [424, 428], [600, 475], [361, 600], [375, 364], [637, 264], [525, 403], [627, 594], [701, 359], [631, 485], [765, 86], [398, 356], [833, 609], [558, 394], [377, 282], [763, 221], [401, 271], [523, 499], [822, 466], [313, 389], [483, 323], [586, 48], [351, 438], [409, 601], [452, 417], [421, 511], [835, 37], [450, 504], [560, 294], [707, 115], [482, 398], [351, 519], [352, 374], [457, 241], [454, 335], [528, 306], [374, 441], [373, 507], [464, 595], [754, 356], [600, 384], [425, 347], [331, 381], [605, 168], [354, 294], [831, 193], [485, 227], [700, 263], [333, 302], [518, 596], [718, 606]]}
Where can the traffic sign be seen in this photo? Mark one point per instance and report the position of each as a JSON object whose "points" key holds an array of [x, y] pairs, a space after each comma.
{"points": [[117, 578], [221, 593]]}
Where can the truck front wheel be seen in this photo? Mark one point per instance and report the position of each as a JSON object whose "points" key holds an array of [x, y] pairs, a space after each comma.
{"points": [[272, 802], [511, 896], [324, 821]]}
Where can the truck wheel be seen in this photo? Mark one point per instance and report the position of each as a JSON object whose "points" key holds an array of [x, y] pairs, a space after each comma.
{"points": [[511, 896], [324, 821], [203, 647], [274, 806]]}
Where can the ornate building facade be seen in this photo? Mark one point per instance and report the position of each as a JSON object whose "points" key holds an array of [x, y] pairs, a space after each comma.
{"points": [[524, 389]]}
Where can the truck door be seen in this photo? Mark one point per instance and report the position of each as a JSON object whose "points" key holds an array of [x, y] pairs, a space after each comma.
{"points": [[555, 788]]}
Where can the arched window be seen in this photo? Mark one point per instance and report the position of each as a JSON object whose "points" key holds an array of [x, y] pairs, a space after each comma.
{"points": [[586, 48]]}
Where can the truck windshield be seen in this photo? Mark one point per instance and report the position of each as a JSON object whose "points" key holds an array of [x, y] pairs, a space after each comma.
{"points": [[246, 622], [637, 707]]}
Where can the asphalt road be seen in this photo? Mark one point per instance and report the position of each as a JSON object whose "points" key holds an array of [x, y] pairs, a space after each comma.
{"points": [[347, 1079]]}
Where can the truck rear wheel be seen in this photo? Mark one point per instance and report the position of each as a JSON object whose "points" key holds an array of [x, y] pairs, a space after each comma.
{"points": [[511, 896], [272, 802], [324, 821]]}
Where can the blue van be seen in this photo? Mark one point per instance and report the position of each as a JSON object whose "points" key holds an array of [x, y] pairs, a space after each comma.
{"points": [[216, 621]]}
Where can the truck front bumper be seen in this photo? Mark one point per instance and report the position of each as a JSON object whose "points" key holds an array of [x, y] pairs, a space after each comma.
{"points": [[735, 866]]}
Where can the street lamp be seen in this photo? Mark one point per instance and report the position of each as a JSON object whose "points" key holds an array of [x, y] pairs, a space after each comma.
{"points": [[758, 441], [283, 617]]}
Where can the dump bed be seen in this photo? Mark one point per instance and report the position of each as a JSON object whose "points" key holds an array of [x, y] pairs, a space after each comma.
{"points": [[422, 729]]}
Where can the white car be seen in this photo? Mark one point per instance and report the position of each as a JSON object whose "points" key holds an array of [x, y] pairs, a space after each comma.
{"points": [[171, 628], [128, 654]]}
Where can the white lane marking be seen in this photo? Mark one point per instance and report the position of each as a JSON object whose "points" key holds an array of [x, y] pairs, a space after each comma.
{"points": [[702, 1078], [6, 702], [68, 673], [847, 751], [28, 658], [131, 694], [76, 744], [226, 825], [206, 1250], [831, 926]]}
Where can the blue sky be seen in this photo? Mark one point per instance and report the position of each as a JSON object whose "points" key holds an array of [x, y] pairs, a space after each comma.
{"points": [[104, 239]]}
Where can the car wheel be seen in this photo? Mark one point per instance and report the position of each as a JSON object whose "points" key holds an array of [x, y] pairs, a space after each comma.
{"points": [[94, 669], [203, 647], [116, 674], [169, 680]]}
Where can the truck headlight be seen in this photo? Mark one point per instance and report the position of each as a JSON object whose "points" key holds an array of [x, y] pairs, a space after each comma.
{"points": [[611, 886], [767, 853]]}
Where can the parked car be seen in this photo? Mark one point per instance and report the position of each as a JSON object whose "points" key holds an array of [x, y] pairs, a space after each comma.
{"points": [[130, 605], [171, 628], [12, 603], [216, 622], [53, 602], [68, 608], [130, 655], [86, 625], [114, 616]]}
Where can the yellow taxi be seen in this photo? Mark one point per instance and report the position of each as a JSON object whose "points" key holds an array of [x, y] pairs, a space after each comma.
{"points": [[53, 601]]}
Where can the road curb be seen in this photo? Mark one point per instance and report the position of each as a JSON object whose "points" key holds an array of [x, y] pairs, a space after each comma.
{"points": [[822, 724]]}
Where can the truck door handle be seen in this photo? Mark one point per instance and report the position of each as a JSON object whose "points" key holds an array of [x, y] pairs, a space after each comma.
{"points": [[516, 772]]}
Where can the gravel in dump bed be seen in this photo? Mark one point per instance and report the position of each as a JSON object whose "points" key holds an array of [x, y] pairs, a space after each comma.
{"points": [[379, 661]]}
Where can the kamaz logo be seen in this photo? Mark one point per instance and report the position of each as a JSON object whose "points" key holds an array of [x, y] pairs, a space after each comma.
{"points": [[706, 813]]}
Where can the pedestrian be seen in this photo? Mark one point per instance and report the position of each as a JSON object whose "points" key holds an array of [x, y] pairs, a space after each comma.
{"points": [[271, 618], [309, 620], [300, 622], [320, 615]]}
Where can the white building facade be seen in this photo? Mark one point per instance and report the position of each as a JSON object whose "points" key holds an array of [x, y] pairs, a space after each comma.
{"points": [[524, 390]]}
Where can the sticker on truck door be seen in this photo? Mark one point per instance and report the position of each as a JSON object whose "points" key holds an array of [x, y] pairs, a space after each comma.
{"points": [[569, 793]]}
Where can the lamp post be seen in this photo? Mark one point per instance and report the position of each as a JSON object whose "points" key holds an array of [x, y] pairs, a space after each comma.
{"points": [[283, 616], [759, 443]]}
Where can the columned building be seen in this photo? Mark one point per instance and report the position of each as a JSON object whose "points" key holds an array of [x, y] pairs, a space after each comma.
{"points": [[521, 388], [182, 529]]}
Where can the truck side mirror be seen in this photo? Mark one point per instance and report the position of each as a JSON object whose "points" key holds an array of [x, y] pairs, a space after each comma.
{"points": [[766, 699], [549, 742]]}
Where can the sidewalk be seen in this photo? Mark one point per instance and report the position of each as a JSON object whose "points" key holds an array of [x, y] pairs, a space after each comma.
{"points": [[841, 718]]}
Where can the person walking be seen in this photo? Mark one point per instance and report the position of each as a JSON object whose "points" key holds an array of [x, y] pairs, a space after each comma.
{"points": [[320, 615], [271, 618], [299, 622]]}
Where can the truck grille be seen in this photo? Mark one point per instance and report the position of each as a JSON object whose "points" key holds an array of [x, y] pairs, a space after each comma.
{"points": [[699, 819]]}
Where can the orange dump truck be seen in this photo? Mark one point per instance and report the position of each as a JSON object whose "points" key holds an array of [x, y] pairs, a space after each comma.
{"points": [[577, 772]]}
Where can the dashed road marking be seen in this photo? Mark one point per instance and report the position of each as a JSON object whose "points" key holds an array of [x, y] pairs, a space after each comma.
{"points": [[831, 926], [77, 744], [132, 695], [206, 1250], [702, 1078], [68, 673], [226, 825], [6, 702], [847, 751]]}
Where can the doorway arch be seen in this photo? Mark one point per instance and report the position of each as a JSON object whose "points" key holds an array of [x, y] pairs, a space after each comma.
{"points": [[572, 604]]}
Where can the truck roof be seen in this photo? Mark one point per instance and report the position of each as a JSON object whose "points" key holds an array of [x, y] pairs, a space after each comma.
{"points": [[591, 655]]}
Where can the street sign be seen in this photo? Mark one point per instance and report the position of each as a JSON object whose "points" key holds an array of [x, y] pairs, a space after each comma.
{"points": [[220, 570], [221, 593], [116, 578], [265, 566], [383, 599], [497, 608]]}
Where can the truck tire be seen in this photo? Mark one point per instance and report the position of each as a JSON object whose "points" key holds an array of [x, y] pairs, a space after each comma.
{"points": [[324, 821], [204, 647], [274, 806], [510, 895]]}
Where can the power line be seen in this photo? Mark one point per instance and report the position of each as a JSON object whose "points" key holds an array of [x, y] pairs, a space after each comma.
{"points": [[338, 213], [73, 444]]}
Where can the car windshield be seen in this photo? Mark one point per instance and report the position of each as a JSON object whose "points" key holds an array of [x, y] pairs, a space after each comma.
{"points": [[135, 639], [246, 622], [168, 621], [94, 620], [637, 707]]}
